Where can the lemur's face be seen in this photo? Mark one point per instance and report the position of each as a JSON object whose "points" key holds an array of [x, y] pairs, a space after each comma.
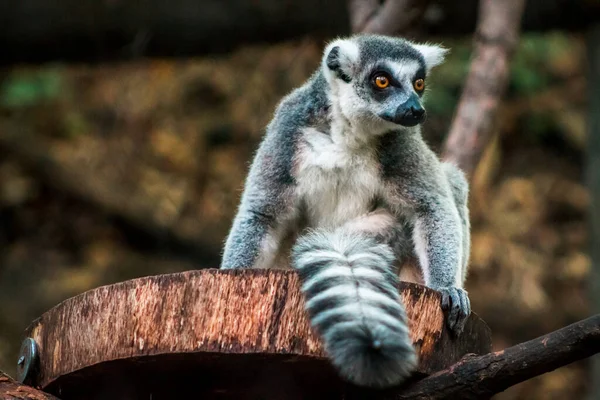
{"points": [[380, 80]]}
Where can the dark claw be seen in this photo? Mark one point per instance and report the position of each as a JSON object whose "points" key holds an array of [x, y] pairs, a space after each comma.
{"points": [[456, 302]]}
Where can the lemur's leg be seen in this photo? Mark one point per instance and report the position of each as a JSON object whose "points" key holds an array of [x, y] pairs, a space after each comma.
{"points": [[379, 224], [460, 189], [385, 228]]}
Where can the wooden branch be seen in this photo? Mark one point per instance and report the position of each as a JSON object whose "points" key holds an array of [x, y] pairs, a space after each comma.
{"points": [[95, 30], [479, 377], [495, 40], [11, 390], [212, 330], [390, 17]]}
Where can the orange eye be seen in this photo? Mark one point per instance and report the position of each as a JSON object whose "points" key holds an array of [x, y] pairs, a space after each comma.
{"points": [[382, 81], [419, 85]]}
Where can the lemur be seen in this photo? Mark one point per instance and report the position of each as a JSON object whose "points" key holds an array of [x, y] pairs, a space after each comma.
{"points": [[344, 175]]}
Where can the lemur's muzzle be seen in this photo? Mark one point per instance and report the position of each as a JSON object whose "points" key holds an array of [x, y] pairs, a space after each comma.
{"points": [[410, 113]]}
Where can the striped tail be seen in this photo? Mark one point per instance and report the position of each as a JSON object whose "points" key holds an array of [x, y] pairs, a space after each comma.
{"points": [[352, 299]]}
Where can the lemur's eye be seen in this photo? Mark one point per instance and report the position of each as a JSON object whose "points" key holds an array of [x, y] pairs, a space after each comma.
{"points": [[382, 81], [419, 85]]}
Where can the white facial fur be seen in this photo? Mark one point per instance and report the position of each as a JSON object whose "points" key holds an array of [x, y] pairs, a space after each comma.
{"points": [[404, 72], [349, 54], [433, 54], [360, 112]]}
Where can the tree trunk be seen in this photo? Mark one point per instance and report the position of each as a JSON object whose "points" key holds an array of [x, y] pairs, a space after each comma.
{"points": [[497, 35]]}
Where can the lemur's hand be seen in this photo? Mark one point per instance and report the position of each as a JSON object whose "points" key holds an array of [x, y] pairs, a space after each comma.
{"points": [[455, 301]]}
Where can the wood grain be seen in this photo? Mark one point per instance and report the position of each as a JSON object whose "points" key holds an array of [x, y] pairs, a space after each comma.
{"points": [[227, 325], [11, 390]]}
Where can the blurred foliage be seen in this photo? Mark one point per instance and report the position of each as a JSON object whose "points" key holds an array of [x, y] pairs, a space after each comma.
{"points": [[113, 172], [28, 88]]}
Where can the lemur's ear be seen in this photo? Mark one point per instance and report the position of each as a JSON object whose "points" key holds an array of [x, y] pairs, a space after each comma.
{"points": [[339, 59], [434, 55]]}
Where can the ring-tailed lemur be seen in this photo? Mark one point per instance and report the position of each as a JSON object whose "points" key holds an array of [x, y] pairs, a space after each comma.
{"points": [[344, 175]]}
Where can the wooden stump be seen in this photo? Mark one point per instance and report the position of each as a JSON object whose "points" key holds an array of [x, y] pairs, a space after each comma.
{"points": [[214, 334], [11, 390]]}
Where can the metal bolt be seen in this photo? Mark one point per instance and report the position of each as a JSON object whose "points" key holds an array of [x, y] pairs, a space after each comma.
{"points": [[28, 361]]}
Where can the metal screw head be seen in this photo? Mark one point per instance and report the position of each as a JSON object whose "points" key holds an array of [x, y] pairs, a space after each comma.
{"points": [[28, 361]]}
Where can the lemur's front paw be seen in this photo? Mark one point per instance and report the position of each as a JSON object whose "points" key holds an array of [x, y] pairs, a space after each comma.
{"points": [[455, 301]]}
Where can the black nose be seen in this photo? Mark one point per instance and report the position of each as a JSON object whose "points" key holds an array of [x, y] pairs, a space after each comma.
{"points": [[410, 113], [417, 112]]}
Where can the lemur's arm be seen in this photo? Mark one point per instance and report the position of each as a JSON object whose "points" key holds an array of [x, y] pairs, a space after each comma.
{"points": [[438, 238], [422, 181], [460, 189], [265, 207], [253, 239]]}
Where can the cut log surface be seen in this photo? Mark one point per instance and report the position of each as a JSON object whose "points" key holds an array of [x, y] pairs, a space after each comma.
{"points": [[11, 390], [216, 334]]}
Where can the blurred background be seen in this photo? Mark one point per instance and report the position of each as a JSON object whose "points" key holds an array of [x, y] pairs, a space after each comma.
{"points": [[126, 131]]}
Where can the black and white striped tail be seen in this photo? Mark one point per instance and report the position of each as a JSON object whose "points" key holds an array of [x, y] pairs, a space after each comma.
{"points": [[352, 299]]}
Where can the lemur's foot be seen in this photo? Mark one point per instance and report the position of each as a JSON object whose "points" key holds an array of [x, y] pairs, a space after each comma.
{"points": [[455, 301]]}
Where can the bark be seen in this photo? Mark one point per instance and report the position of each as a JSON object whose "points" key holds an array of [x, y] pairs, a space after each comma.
{"points": [[11, 390], [481, 377], [495, 40], [237, 331], [94, 30]]}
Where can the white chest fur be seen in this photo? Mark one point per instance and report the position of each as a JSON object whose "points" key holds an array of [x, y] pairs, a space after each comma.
{"points": [[335, 183]]}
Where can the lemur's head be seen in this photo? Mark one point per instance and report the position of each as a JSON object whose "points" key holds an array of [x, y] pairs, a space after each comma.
{"points": [[379, 80]]}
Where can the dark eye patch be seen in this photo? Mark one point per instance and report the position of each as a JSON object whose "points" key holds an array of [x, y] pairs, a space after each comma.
{"points": [[383, 69], [421, 74]]}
